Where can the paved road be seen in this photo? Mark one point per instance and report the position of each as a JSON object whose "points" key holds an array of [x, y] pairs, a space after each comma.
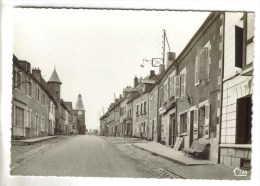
{"points": [[81, 156]]}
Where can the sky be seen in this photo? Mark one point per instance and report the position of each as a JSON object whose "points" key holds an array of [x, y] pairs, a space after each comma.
{"points": [[97, 53]]}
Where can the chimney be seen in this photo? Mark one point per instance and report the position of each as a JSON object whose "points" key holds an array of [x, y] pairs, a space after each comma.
{"points": [[37, 74], [152, 74], [26, 65], [170, 58], [161, 68], [135, 82]]}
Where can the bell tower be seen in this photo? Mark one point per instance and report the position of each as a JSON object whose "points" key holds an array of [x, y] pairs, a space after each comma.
{"points": [[80, 113]]}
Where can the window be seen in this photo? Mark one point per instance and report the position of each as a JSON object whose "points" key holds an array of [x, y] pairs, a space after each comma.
{"points": [[137, 109], [183, 123], [244, 120], [238, 47], [18, 80], [43, 98], [145, 107], [42, 123], [165, 91], [141, 108], [30, 89], [19, 116], [37, 93]]}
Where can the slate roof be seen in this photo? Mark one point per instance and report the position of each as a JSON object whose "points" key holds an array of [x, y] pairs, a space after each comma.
{"points": [[54, 77], [79, 104]]}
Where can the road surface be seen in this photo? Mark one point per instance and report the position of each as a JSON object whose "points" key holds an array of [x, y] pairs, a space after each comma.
{"points": [[86, 156]]}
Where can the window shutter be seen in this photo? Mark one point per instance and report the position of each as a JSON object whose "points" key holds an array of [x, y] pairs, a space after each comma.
{"points": [[183, 84], [195, 127], [203, 62], [165, 91], [169, 88], [238, 47], [177, 86], [173, 88], [196, 71], [15, 116], [26, 117], [207, 120], [30, 118]]}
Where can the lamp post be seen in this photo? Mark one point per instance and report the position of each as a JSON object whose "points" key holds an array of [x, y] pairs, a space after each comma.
{"points": [[157, 61]]}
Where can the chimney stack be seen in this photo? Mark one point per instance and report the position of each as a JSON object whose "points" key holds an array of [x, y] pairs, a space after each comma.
{"points": [[135, 82], [161, 68], [37, 73], [170, 58], [152, 74]]}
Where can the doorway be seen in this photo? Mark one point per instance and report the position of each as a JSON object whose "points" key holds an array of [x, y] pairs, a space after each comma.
{"points": [[191, 126], [172, 130], [201, 122]]}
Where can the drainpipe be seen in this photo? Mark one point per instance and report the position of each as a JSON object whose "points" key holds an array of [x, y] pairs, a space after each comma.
{"points": [[221, 87]]}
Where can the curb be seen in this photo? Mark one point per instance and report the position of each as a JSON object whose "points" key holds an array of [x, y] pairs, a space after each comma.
{"points": [[162, 156]]}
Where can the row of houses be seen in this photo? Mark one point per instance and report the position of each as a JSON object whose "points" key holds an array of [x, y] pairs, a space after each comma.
{"points": [[204, 93], [37, 108]]}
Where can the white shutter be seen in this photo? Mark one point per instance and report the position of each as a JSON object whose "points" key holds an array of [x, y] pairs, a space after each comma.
{"points": [[26, 117], [177, 86], [196, 71], [203, 62], [207, 120], [195, 127], [30, 118]]}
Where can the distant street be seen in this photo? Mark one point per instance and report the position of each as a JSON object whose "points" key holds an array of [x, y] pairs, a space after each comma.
{"points": [[82, 156]]}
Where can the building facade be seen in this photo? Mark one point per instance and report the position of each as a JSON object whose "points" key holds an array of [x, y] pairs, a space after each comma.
{"points": [[33, 107], [235, 142]]}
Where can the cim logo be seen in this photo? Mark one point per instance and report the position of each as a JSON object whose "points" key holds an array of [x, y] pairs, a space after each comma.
{"points": [[239, 172]]}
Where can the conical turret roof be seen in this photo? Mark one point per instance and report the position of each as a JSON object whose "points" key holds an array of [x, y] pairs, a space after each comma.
{"points": [[79, 104], [54, 77]]}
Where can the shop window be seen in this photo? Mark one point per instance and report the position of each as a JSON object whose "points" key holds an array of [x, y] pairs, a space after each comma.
{"points": [[244, 120]]}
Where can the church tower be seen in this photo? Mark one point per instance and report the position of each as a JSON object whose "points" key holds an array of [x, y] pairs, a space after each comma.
{"points": [[54, 84], [80, 114]]}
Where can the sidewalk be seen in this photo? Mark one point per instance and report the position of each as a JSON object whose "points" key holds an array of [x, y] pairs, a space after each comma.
{"points": [[31, 141], [189, 168]]}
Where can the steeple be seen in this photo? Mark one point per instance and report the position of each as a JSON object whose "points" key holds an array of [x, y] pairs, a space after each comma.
{"points": [[79, 104], [54, 77]]}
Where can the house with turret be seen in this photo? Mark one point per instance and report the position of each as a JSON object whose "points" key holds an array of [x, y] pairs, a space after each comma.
{"points": [[33, 105]]}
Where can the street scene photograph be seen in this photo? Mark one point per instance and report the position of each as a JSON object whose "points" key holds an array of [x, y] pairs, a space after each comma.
{"points": [[132, 93]]}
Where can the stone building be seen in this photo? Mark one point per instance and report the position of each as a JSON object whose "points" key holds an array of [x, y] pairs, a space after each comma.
{"points": [[80, 115], [167, 103], [197, 86], [235, 142], [33, 107], [140, 106]]}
